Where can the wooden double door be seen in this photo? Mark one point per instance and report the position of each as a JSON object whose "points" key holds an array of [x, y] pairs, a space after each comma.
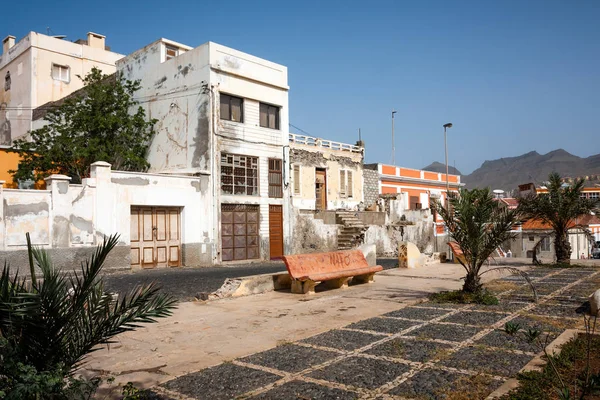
{"points": [[239, 232], [155, 237]]}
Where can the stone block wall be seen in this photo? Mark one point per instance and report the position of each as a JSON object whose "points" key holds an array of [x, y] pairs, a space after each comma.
{"points": [[371, 186]]}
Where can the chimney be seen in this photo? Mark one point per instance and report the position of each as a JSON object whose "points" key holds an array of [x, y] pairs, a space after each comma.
{"points": [[95, 40], [7, 43]]}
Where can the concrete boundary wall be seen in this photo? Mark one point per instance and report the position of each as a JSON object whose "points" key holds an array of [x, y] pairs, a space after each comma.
{"points": [[70, 220]]}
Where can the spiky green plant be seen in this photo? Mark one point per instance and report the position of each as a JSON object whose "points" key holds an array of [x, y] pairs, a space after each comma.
{"points": [[479, 224], [52, 322], [559, 208]]}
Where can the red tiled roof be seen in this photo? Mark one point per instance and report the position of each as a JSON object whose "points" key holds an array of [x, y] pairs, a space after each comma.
{"points": [[536, 224], [510, 202]]}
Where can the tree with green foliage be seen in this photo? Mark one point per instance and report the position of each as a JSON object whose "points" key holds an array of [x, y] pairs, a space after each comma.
{"points": [[560, 208], [100, 124], [479, 224], [50, 323]]}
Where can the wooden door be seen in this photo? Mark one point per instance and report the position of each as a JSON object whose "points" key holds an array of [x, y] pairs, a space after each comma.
{"points": [[239, 232], [155, 237], [275, 231], [320, 189]]}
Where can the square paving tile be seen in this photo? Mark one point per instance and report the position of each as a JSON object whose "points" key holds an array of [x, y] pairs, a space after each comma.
{"points": [[361, 372], [440, 384], [556, 310], [383, 325], [487, 360], [475, 318], [504, 305], [343, 340], [445, 332], [222, 382], [432, 304], [290, 358], [417, 313], [299, 390], [547, 288], [499, 338], [544, 323], [410, 349]]}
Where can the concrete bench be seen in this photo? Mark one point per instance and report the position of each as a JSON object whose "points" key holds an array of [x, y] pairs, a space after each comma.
{"points": [[335, 268], [457, 251]]}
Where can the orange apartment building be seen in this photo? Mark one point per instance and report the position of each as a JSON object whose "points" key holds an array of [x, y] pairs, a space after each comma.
{"points": [[416, 188]]}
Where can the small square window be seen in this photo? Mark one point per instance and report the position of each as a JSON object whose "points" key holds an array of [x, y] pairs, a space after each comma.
{"points": [[232, 108], [269, 116], [171, 52], [61, 73]]}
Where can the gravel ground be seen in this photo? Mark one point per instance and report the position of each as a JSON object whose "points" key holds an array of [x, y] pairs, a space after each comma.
{"points": [[453, 333], [416, 313], [410, 349], [444, 306], [383, 325], [299, 390], [290, 358], [439, 384], [343, 340], [488, 361], [361, 372], [543, 323], [505, 305], [475, 318], [558, 310], [501, 339], [216, 383]]}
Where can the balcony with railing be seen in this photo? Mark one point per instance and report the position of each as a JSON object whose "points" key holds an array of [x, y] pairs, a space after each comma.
{"points": [[326, 144]]}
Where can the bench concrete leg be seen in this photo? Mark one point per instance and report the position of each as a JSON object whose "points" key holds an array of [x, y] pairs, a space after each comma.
{"points": [[337, 283], [303, 287], [366, 278]]}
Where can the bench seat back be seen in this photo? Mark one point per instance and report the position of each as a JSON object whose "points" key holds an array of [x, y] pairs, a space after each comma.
{"points": [[305, 266]]}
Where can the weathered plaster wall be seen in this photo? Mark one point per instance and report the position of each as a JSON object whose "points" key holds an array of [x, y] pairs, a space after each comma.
{"points": [[71, 219], [311, 157], [313, 235]]}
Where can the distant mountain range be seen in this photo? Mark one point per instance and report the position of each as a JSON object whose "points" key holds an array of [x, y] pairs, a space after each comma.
{"points": [[506, 173], [441, 168]]}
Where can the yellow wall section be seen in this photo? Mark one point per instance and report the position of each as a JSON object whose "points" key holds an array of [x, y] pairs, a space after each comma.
{"points": [[8, 161]]}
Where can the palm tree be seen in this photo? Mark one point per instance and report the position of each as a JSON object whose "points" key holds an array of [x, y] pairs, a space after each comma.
{"points": [[559, 208], [479, 224], [54, 322]]}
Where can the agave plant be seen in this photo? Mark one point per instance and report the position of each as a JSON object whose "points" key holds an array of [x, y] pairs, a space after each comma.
{"points": [[479, 224], [55, 320]]}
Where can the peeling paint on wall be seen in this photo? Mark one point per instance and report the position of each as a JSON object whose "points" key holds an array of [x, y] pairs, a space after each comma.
{"points": [[134, 181], [201, 139], [17, 210]]}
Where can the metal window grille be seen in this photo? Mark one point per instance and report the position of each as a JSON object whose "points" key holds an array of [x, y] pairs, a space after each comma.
{"points": [[239, 175], [296, 180]]}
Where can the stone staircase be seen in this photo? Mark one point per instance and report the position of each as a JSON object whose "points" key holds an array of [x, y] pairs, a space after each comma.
{"points": [[352, 231]]}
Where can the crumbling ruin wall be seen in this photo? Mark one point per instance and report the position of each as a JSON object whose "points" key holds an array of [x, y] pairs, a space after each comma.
{"points": [[312, 235]]}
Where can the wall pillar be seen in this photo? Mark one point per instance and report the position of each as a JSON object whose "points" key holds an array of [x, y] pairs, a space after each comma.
{"points": [[2, 244], [105, 202], [60, 210]]}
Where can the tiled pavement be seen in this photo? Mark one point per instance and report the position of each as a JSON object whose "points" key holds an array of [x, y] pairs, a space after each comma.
{"points": [[422, 351]]}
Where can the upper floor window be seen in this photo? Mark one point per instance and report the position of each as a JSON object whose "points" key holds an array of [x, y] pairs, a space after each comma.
{"points": [[171, 52], [296, 179], [545, 245], [61, 73], [7, 81], [275, 178], [232, 108], [239, 174], [269, 116]]}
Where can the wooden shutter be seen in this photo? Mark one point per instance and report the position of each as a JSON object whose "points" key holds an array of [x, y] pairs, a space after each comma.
{"points": [[296, 180], [350, 189], [342, 183]]}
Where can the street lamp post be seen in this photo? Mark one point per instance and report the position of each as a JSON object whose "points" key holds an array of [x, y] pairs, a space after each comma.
{"points": [[446, 126], [393, 147]]}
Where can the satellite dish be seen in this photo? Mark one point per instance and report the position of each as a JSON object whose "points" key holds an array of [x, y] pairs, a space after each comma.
{"points": [[498, 191]]}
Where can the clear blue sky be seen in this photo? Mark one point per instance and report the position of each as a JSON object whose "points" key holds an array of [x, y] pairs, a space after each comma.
{"points": [[512, 76]]}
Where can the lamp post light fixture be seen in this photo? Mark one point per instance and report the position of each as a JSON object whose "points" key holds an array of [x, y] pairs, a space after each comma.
{"points": [[393, 147], [446, 126]]}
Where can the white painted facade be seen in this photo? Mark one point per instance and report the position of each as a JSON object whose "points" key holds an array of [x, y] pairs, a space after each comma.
{"points": [[183, 94], [42, 69]]}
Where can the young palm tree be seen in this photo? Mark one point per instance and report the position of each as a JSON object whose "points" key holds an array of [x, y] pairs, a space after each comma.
{"points": [[479, 224], [559, 208], [55, 321]]}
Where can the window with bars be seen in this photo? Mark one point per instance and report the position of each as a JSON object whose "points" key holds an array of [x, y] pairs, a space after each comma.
{"points": [[7, 81], [269, 116], [346, 184], [296, 178], [61, 73], [239, 175], [232, 108], [275, 178]]}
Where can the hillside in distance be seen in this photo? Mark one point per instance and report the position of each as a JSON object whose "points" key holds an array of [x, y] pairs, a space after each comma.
{"points": [[508, 172], [441, 168]]}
